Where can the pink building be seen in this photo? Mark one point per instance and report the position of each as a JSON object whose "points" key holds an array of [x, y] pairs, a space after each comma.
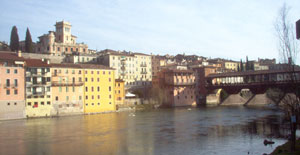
{"points": [[178, 87], [12, 93]]}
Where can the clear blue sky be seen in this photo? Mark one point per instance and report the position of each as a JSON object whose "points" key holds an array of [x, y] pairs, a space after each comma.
{"points": [[213, 28]]}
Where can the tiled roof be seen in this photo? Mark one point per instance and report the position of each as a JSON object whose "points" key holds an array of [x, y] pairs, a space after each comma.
{"points": [[82, 66], [5, 55], [119, 80], [36, 63]]}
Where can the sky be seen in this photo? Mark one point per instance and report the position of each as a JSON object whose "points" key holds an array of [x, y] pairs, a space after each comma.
{"points": [[231, 29]]}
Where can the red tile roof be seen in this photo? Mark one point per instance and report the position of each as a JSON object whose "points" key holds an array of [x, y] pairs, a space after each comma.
{"points": [[36, 63]]}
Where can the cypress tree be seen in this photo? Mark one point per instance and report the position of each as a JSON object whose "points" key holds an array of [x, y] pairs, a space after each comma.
{"points": [[28, 42], [247, 64], [241, 64], [14, 39]]}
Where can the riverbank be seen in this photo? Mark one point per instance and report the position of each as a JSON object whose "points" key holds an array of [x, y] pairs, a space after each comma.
{"points": [[285, 149]]}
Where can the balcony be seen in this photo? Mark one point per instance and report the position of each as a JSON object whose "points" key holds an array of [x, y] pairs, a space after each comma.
{"points": [[14, 86], [57, 84], [143, 72], [143, 65]]}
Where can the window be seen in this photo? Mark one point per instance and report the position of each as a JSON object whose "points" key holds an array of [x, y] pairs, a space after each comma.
{"points": [[66, 71], [79, 72], [7, 82], [73, 71], [67, 98], [92, 103], [16, 91], [98, 103], [79, 79], [98, 79], [35, 104], [7, 92], [92, 96], [92, 79], [110, 96], [97, 72], [109, 79], [103, 72], [86, 79], [86, 104], [29, 103], [56, 98], [16, 71], [109, 88], [60, 89], [86, 89], [98, 96], [98, 88], [48, 103], [16, 82], [8, 103], [58, 49], [86, 97], [67, 89], [42, 103], [73, 89], [79, 97], [67, 49], [15, 103], [109, 102], [92, 89]]}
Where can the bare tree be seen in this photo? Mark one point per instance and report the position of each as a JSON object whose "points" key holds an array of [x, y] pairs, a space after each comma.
{"points": [[285, 31], [288, 50]]}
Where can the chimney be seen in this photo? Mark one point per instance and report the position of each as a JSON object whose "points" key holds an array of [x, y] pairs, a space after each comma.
{"points": [[19, 53]]}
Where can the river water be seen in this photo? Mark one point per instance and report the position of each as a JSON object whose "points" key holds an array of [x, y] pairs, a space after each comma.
{"points": [[180, 131]]}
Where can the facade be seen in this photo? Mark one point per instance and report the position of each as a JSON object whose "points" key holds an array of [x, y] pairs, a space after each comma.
{"points": [[133, 68], [178, 87], [231, 65], [119, 91], [67, 89], [99, 84], [81, 58], [38, 88], [200, 74], [60, 42], [12, 94]]}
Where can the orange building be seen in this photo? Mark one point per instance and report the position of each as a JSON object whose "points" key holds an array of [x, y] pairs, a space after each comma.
{"points": [[12, 87], [67, 89], [178, 87], [119, 91]]}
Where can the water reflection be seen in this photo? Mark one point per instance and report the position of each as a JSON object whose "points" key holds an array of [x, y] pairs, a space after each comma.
{"points": [[214, 130]]}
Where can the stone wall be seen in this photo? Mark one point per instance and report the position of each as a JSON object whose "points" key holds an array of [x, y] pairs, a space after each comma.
{"points": [[52, 58]]}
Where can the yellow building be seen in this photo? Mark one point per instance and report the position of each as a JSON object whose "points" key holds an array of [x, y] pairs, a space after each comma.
{"points": [[119, 91], [99, 84], [38, 88], [67, 89], [231, 65]]}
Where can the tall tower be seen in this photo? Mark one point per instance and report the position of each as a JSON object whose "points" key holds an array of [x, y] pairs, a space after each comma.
{"points": [[63, 32]]}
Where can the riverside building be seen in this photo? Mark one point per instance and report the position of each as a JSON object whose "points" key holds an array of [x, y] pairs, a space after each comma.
{"points": [[38, 88], [12, 94]]}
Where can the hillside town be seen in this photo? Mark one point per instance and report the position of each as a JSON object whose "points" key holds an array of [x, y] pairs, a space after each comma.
{"points": [[62, 77]]}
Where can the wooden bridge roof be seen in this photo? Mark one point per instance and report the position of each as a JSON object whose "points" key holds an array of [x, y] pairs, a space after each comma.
{"points": [[245, 73]]}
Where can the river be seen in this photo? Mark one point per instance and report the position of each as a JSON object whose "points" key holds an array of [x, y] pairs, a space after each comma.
{"points": [[221, 130]]}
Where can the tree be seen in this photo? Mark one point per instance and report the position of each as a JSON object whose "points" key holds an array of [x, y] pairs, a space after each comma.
{"points": [[241, 64], [288, 50], [28, 42], [14, 39]]}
